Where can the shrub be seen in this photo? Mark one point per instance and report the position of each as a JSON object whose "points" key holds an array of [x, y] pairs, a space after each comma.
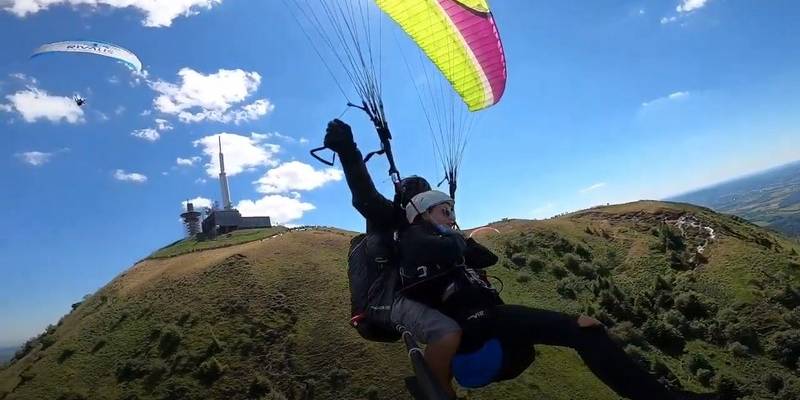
{"points": [[259, 386], [728, 388], [678, 320], [536, 264], [519, 259], [572, 263], [65, 354], [793, 317], [773, 382], [664, 300], [626, 333], [47, 341], [155, 370], [664, 335], [99, 345], [704, 376], [694, 305], [587, 270], [131, 369], [565, 288], [739, 350], [696, 361], [523, 277], [743, 333], [558, 271], [170, 340], [698, 329], [788, 296], [583, 252], [563, 246], [636, 354], [338, 377], [784, 347], [210, 370]]}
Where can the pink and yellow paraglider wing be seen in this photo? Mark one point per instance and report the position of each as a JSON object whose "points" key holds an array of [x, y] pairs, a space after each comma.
{"points": [[461, 38]]}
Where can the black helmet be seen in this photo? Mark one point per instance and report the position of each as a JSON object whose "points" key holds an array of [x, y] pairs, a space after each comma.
{"points": [[412, 186]]}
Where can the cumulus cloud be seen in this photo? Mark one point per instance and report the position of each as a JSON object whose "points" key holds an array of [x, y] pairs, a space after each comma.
{"points": [[214, 97], [34, 104], [690, 5], [296, 175], [592, 188], [134, 177], [280, 209], [241, 152], [157, 13], [38, 158], [670, 97], [163, 125], [149, 134], [198, 203], [187, 162]]}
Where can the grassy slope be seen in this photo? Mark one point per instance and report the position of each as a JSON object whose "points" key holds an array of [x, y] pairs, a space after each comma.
{"points": [[272, 313]]}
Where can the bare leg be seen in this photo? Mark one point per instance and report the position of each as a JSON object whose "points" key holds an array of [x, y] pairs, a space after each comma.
{"points": [[439, 356]]}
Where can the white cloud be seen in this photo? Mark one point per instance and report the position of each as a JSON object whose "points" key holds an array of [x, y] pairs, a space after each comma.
{"points": [[198, 203], [241, 153], [149, 134], [25, 78], [113, 80], [157, 13], [280, 209], [690, 5], [667, 20], [35, 158], [134, 177], [295, 175], [671, 97], [102, 116], [276, 135], [592, 188], [146, 113], [211, 97], [163, 125], [200, 181], [119, 110], [34, 104], [187, 162]]}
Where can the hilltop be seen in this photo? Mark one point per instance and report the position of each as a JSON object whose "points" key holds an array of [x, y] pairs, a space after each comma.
{"points": [[706, 301]]}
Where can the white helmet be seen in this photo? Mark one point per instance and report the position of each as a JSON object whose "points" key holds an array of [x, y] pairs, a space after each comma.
{"points": [[424, 202]]}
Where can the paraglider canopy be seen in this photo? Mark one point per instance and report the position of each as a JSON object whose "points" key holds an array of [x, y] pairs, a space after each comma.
{"points": [[92, 47]]}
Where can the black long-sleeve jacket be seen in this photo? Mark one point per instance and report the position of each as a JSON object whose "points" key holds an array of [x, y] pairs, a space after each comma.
{"points": [[382, 216], [436, 263]]}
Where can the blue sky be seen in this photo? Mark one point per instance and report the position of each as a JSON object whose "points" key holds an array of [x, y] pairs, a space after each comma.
{"points": [[606, 102]]}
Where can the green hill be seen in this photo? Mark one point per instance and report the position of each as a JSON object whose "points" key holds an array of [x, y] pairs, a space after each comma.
{"points": [[704, 300]]}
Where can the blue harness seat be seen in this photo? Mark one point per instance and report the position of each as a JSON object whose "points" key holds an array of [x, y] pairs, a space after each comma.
{"points": [[480, 368]]}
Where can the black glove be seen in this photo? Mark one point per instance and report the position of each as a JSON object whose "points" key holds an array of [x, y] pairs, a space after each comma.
{"points": [[339, 136]]}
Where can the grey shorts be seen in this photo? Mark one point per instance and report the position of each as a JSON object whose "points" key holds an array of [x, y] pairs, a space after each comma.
{"points": [[426, 324]]}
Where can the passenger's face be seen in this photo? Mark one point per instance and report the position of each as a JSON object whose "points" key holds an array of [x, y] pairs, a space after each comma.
{"points": [[442, 215]]}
